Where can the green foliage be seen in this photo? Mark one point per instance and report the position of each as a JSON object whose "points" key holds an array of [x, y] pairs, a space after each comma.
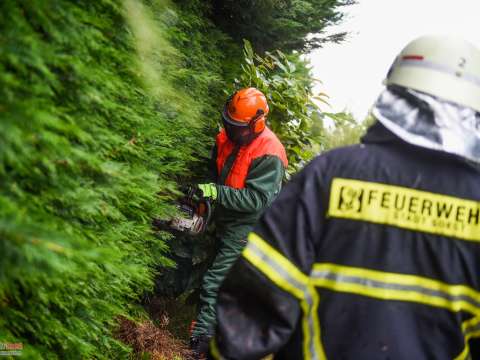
{"points": [[94, 130], [345, 131], [209, 59], [105, 107], [280, 24], [287, 82]]}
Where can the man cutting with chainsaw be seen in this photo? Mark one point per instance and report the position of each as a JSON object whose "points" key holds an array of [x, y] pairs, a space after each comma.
{"points": [[250, 163]]}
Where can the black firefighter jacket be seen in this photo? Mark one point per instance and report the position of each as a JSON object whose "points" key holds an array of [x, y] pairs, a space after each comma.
{"points": [[371, 252]]}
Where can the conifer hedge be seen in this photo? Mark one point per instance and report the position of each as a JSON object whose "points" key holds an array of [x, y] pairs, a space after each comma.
{"points": [[99, 120], [106, 106]]}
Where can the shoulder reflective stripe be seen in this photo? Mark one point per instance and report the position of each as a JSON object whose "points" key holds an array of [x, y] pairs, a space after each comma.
{"points": [[276, 274], [471, 329], [442, 68], [405, 208], [214, 349], [282, 261], [393, 286], [288, 277]]}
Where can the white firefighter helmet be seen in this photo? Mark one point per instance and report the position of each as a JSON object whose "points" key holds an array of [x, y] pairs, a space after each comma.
{"points": [[442, 66]]}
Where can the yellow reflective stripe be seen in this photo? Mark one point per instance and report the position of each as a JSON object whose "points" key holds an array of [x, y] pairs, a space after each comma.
{"points": [[469, 324], [311, 327], [400, 279], [394, 295], [392, 286], [471, 329], [275, 277], [405, 208], [306, 331], [289, 278], [317, 335], [278, 258], [214, 349], [464, 354]]}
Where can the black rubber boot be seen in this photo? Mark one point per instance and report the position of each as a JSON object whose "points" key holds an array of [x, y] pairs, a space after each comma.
{"points": [[199, 346]]}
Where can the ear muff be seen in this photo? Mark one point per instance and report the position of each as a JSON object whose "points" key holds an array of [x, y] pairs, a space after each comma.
{"points": [[257, 125]]}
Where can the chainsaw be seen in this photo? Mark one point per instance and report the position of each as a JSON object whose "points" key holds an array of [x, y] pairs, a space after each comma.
{"points": [[193, 218]]}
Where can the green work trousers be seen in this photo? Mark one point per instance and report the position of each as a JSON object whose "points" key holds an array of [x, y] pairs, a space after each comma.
{"points": [[229, 246]]}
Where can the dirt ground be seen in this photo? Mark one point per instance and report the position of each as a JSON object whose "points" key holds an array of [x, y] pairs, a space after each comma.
{"points": [[165, 335]]}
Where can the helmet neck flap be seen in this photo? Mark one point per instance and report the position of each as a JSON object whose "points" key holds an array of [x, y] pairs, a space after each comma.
{"points": [[430, 122]]}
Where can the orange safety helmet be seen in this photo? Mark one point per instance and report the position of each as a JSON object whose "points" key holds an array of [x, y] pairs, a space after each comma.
{"points": [[244, 115]]}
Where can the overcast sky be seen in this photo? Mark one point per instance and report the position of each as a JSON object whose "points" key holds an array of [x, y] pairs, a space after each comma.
{"points": [[352, 71]]}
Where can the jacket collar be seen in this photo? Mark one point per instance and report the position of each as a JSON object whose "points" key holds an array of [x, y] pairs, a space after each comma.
{"points": [[379, 134]]}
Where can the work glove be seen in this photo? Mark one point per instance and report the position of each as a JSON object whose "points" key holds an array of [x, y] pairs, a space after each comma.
{"points": [[208, 191]]}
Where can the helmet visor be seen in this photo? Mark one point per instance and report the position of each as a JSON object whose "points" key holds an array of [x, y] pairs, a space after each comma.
{"points": [[239, 133]]}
